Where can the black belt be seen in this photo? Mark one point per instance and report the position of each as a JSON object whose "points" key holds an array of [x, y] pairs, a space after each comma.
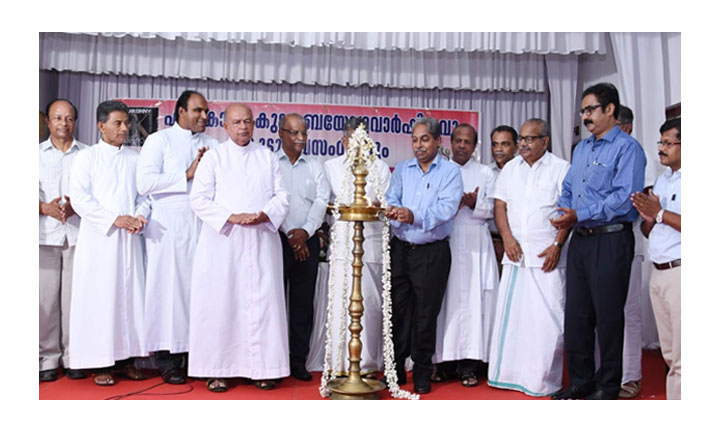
{"points": [[667, 265], [416, 245], [603, 229]]}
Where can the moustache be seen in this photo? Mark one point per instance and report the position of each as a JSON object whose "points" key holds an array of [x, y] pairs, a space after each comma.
{"points": [[526, 148], [420, 150], [662, 154], [587, 122]]}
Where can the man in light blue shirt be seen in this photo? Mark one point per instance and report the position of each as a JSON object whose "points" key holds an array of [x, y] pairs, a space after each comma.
{"points": [[423, 198], [309, 194], [606, 168], [660, 211]]}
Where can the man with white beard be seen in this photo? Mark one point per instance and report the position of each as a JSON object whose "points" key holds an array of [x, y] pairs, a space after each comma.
{"points": [[106, 313], [466, 316], [238, 326], [166, 168], [371, 336]]}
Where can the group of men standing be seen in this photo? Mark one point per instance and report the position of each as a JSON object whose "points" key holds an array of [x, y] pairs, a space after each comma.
{"points": [[214, 297]]}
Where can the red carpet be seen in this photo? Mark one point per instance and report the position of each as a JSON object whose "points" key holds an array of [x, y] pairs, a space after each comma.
{"points": [[653, 387]]}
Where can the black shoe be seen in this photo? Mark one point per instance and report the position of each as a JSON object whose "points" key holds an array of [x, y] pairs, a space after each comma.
{"points": [[571, 392], [301, 373], [422, 387], [602, 395], [48, 375], [173, 376], [75, 373]]}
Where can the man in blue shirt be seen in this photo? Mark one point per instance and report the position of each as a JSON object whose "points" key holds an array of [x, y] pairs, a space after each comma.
{"points": [[606, 168], [423, 198]]}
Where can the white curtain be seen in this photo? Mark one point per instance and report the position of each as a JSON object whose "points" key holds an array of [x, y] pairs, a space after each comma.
{"points": [[562, 72], [641, 74], [283, 63], [88, 90], [517, 43]]}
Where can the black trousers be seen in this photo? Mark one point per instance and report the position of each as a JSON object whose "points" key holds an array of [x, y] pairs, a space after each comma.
{"points": [[598, 273], [419, 277], [299, 277], [166, 361]]}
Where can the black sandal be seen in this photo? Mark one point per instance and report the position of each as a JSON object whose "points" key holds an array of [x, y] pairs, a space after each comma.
{"points": [[468, 379], [265, 384], [216, 385]]}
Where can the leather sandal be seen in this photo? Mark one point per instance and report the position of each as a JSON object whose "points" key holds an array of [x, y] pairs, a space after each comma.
{"points": [[216, 385], [264, 384], [104, 379], [468, 379], [130, 372]]}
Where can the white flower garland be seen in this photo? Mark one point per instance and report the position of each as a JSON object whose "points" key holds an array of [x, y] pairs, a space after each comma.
{"points": [[360, 140]]}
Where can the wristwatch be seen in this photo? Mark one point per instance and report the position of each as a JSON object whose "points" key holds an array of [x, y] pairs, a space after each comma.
{"points": [[659, 216], [558, 244]]}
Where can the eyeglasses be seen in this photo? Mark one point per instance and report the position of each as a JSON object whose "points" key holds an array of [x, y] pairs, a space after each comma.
{"points": [[530, 138], [589, 109], [295, 132], [667, 144]]}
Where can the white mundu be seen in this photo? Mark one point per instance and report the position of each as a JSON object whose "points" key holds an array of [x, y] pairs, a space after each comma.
{"points": [[238, 325], [106, 312], [526, 351], [371, 336], [170, 235], [464, 325]]}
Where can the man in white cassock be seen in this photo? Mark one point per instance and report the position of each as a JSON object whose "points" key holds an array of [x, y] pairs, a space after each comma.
{"points": [[526, 351], [106, 312], [464, 325], [371, 336], [168, 161], [238, 326]]}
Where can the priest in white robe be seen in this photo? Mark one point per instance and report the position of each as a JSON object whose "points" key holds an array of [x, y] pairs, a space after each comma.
{"points": [[238, 326], [526, 351], [106, 313], [464, 325], [168, 161], [371, 336]]}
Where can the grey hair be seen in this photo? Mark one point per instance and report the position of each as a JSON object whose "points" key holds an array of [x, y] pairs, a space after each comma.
{"points": [[544, 126], [281, 125], [352, 123], [432, 125], [105, 108]]}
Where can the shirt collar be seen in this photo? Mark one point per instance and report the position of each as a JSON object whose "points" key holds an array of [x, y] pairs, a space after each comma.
{"points": [[610, 136], [180, 130], [544, 159], [435, 162], [284, 155], [47, 144]]}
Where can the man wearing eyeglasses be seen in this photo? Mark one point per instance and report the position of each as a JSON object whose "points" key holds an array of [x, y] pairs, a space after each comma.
{"points": [[309, 194], [166, 168], [660, 211], [606, 168], [526, 345]]}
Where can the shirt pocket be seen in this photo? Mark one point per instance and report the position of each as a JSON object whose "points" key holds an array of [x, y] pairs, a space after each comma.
{"points": [[600, 175], [546, 194]]}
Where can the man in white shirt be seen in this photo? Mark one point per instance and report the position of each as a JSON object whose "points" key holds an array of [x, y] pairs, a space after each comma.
{"points": [[165, 172], [378, 180], [58, 235], [464, 325], [309, 194], [106, 313], [526, 351], [238, 326], [660, 211], [504, 145]]}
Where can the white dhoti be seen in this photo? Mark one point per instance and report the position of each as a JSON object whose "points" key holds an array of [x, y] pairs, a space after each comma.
{"points": [[526, 352]]}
